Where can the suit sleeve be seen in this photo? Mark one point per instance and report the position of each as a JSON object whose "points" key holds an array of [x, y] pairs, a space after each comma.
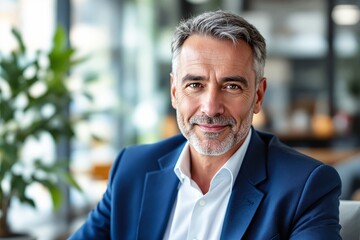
{"points": [[317, 214], [97, 224]]}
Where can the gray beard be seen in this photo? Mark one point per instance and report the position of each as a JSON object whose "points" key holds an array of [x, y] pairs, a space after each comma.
{"points": [[213, 146]]}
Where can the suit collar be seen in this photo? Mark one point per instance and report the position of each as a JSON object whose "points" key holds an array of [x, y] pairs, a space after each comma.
{"points": [[159, 194], [246, 197], [254, 166], [169, 160]]}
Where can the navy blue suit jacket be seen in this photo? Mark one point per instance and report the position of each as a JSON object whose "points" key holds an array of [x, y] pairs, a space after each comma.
{"points": [[278, 194]]}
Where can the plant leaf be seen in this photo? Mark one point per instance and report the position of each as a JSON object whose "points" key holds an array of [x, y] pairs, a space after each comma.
{"points": [[19, 39], [68, 178], [56, 196], [54, 190]]}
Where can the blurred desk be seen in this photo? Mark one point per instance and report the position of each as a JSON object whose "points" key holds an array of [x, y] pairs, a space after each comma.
{"points": [[330, 156], [311, 140]]}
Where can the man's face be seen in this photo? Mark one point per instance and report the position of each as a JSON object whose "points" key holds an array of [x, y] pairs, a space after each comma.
{"points": [[214, 93]]}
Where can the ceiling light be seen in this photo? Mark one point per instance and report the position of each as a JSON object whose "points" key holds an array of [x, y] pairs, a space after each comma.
{"points": [[346, 14]]}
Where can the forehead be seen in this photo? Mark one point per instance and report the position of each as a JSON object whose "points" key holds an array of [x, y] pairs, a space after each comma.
{"points": [[208, 52]]}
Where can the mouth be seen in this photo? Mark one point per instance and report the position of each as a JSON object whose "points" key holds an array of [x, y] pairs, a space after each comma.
{"points": [[212, 128]]}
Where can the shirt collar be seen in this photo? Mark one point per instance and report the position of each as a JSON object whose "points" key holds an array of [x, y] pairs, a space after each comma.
{"points": [[182, 167]]}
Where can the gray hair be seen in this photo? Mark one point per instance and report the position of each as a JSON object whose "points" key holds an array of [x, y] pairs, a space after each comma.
{"points": [[224, 26]]}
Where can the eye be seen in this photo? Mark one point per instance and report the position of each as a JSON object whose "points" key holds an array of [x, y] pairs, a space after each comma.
{"points": [[233, 87], [194, 85]]}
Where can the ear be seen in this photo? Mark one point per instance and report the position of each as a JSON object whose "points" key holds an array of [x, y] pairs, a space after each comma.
{"points": [[173, 91], [260, 94]]}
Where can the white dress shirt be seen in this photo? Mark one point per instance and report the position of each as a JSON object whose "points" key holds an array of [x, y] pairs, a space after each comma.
{"points": [[198, 216]]}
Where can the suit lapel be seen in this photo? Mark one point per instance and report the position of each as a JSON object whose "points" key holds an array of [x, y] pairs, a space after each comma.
{"points": [[243, 204], [246, 198], [158, 198]]}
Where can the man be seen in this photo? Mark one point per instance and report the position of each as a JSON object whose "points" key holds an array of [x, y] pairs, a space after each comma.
{"points": [[224, 180]]}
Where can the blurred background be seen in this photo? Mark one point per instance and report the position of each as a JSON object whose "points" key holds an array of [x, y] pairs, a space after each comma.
{"points": [[312, 102]]}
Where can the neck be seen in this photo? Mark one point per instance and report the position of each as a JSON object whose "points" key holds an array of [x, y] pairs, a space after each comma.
{"points": [[203, 168], [202, 172]]}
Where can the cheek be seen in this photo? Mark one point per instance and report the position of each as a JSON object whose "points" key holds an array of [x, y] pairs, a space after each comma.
{"points": [[242, 109], [186, 105]]}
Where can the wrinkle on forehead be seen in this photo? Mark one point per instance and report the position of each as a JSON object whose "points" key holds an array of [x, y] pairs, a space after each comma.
{"points": [[204, 53]]}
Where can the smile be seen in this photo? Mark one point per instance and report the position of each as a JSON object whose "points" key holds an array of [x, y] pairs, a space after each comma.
{"points": [[214, 128]]}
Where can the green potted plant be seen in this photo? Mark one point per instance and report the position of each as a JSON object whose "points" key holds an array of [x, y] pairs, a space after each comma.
{"points": [[26, 114]]}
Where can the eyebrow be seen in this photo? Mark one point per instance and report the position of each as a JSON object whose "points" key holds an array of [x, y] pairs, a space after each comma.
{"points": [[236, 78], [190, 77]]}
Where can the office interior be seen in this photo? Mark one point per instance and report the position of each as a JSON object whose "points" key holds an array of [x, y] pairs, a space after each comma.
{"points": [[312, 102]]}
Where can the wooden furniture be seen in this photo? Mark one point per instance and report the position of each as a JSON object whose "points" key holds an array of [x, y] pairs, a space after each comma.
{"points": [[329, 155]]}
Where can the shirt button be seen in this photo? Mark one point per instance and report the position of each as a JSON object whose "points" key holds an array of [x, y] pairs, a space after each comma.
{"points": [[202, 203]]}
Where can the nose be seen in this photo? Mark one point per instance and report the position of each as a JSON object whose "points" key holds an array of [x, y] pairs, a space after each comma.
{"points": [[212, 103]]}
